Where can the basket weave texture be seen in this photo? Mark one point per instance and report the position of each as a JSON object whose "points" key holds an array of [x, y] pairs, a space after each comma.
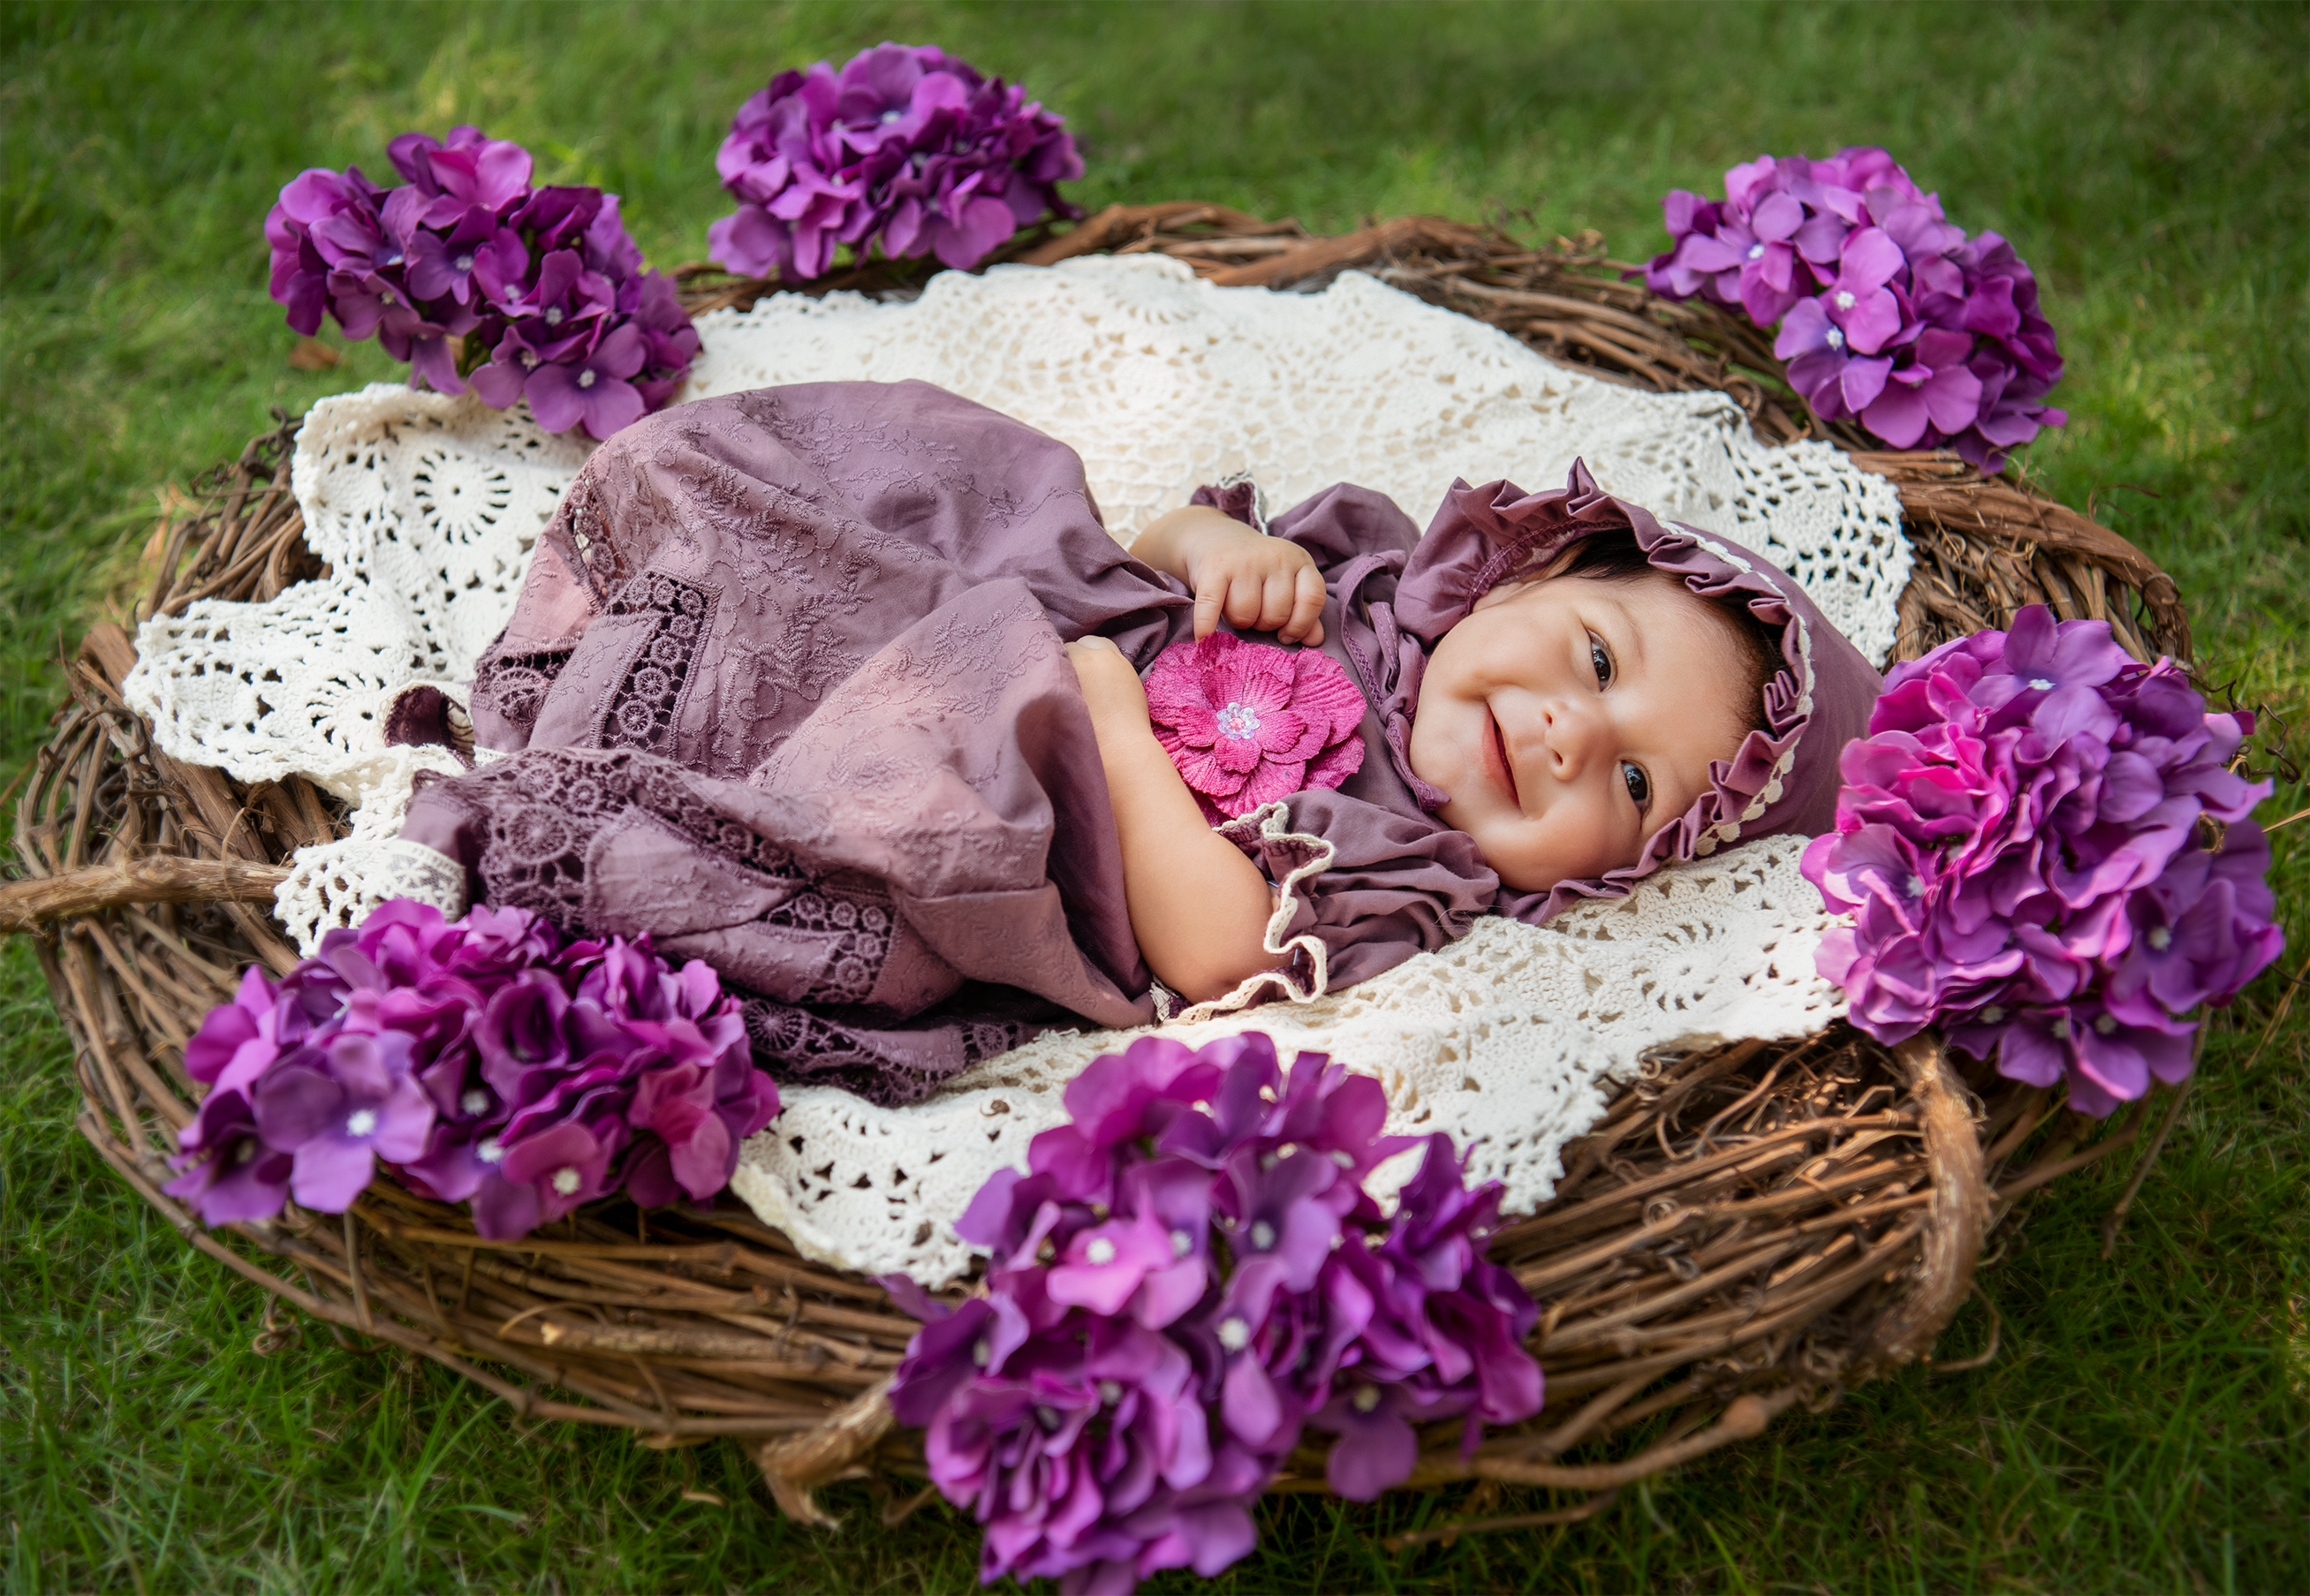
{"points": [[1751, 1227]]}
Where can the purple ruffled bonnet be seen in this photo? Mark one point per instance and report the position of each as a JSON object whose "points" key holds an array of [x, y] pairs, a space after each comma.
{"points": [[1781, 781]]}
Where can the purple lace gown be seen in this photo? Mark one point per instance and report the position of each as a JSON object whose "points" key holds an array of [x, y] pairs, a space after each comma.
{"points": [[786, 688]]}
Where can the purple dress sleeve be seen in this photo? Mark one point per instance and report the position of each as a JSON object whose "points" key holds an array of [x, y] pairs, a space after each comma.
{"points": [[1393, 885], [1398, 881]]}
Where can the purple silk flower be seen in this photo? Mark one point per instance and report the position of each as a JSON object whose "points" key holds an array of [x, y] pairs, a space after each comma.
{"points": [[906, 148], [1889, 315], [483, 1061], [474, 277], [2047, 853], [1189, 1273]]}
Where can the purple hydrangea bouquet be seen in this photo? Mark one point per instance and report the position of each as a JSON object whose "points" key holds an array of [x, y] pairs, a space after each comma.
{"points": [[483, 1061], [1888, 314], [472, 275], [1189, 1273], [906, 148], [2047, 853]]}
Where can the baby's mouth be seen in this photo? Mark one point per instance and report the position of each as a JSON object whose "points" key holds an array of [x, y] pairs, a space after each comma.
{"points": [[1497, 747]]}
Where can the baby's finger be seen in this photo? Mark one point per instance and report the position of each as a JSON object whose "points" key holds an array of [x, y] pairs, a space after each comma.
{"points": [[1207, 610], [1243, 597], [1275, 602], [1306, 624]]}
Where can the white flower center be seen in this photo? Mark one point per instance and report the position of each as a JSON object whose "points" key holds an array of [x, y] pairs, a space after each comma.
{"points": [[586, 379], [1916, 887], [489, 1152], [1366, 1398], [1262, 1235], [1235, 1335], [361, 1121], [1993, 1015], [528, 360], [1182, 1243], [464, 263], [1109, 1393], [1835, 339], [982, 1352], [1344, 1158], [1239, 721], [246, 1151], [2105, 1024], [2042, 684], [1101, 1251], [1845, 299], [567, 1180], [554, 317], [2160, 938], [475, 1101], [1756, 252], [889, 116]]}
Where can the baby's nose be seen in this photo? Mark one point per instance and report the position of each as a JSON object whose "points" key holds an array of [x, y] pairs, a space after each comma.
{"points": [[1575, 737]]}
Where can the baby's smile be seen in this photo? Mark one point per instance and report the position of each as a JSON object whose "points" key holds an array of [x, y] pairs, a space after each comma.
{"points": [[1502, 769]]}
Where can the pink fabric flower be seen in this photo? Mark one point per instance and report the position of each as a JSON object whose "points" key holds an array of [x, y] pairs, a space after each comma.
{"points": [[1249, 723]]}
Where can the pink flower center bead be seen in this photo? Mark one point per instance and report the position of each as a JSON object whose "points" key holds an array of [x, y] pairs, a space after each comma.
{"points": [[1237, 720]]}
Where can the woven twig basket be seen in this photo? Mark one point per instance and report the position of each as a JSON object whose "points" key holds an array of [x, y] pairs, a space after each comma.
{"points": [[1751, 1227]]}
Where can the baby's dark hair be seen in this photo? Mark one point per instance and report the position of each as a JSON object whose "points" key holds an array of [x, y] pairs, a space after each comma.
{"points": [[1615, 556]]}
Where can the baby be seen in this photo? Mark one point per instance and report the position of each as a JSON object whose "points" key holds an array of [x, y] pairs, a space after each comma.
{"points": [[1572, 712], [837, 688]]}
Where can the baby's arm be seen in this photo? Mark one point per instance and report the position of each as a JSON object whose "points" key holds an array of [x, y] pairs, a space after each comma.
{"points": [[1198, 907], [1259, 582]]}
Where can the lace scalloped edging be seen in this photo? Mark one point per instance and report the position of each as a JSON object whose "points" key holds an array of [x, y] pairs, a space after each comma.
{"points": [[1272, 822], [334, 884]]}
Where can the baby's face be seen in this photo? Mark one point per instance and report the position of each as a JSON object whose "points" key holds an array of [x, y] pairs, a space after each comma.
{"points": [[1570, 719]]}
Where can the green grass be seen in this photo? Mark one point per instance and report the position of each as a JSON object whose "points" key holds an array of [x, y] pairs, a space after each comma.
{"points": [[2144, 1425]]}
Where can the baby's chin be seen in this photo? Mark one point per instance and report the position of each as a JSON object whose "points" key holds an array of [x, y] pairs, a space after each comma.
{"points": [[1524, 865]]}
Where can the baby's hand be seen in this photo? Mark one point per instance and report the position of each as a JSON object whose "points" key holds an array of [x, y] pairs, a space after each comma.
{"points": [[1110, 687], [1256, 582]]}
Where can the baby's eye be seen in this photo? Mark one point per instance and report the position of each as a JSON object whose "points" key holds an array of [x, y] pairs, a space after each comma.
{"points": [[1600, 659], [1640, 786]]}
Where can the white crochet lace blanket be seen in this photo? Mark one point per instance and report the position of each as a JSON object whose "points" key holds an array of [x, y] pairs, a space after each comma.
{"points": [[1510, 1039], [426, 509]]}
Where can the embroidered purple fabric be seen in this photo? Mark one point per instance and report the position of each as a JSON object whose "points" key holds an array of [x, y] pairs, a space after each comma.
{"points": [[785, 688]]}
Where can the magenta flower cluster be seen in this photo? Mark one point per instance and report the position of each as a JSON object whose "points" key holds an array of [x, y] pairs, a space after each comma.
{"points": [[1894, 316], [906, 148], [472, 276], [2047, 853], [1190, 1273], [482, 1061], [1248, 722]]}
